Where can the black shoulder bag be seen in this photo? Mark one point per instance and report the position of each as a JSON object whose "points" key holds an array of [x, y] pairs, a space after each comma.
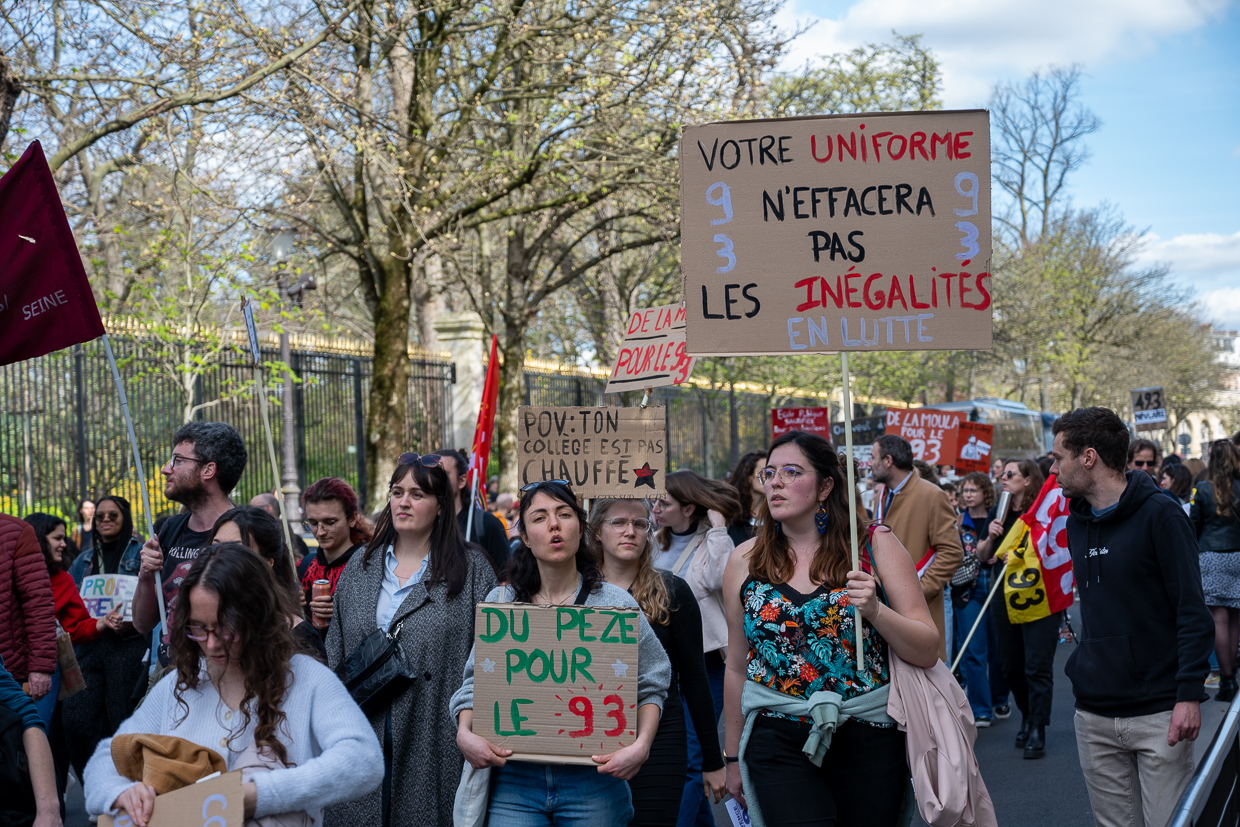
{"points": [[375, 672]]}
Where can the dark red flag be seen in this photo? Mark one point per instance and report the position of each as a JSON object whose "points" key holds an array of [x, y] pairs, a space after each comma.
{"points": [[45, 299]]}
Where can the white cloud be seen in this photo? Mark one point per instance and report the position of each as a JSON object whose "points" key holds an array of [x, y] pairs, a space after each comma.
{"points": [[1223, 306], [1207, 262], [980, 41]]}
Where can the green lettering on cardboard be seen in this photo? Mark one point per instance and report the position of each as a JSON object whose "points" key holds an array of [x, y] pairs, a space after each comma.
{"points": [[521, 663], [525, 625], [584, 624], [489, 636], [560, 626], [518, 718], [581, 665]]}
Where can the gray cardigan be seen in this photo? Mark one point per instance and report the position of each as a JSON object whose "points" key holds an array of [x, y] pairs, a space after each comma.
{"points": [[437, 638]]}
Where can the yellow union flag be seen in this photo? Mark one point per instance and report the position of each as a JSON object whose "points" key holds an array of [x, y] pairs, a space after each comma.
{"points": [[1024, 593]]}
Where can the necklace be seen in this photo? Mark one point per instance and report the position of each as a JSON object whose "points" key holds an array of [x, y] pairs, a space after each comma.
{"points": [[562, 598]]}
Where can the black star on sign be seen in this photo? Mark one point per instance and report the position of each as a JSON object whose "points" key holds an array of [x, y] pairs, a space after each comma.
{"points": [[645, 476]]}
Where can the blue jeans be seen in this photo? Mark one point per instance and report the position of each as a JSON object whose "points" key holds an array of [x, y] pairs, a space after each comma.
{"points": [[949, 622], [47, 704], [525, 794], [694, 808], [973, 664]]}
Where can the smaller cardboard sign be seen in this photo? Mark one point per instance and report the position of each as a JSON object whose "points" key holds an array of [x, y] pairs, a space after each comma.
{"points": [[601, 452], [217, 802], [556, 684], [975, 440], [864, 431], [738, 813], [931, 433], [103, 592], [652, 353], [809, 420], [1149, 409]]}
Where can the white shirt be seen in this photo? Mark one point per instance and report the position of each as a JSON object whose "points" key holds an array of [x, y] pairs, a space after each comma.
{"points": [[392, 593]]}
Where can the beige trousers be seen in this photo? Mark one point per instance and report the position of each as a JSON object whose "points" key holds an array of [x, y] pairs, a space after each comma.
{"points": [[1134, 778]]}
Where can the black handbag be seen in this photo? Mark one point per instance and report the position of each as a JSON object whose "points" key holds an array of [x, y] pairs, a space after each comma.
{"points": [[375, 672]]}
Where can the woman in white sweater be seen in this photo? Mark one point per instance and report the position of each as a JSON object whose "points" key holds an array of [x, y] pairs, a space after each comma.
{"points": [[238, 687]]}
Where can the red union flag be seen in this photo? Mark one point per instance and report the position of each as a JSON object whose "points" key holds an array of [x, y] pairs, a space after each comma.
{"points": [[45, 299], [1048, 532], [484, 431]]}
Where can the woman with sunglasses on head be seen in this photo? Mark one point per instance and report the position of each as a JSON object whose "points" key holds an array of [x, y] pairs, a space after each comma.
{"points": [[621, 531], [555, 565], [239, 687], [792, 604], [1215, 512], [419, 581]]}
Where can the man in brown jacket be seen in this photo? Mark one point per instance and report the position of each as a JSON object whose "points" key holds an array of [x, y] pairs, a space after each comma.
{"points": [[921, 516], [27, 610]]}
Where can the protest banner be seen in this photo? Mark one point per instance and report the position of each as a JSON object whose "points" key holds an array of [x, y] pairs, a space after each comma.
{"points": [[837, 233], [864, 432], [809, 420], [600, 452], [1037, 578], [556, 684], [1149, 409], [974, 441], [104, 592], [652, 353], [931, 433], [217, 802]]}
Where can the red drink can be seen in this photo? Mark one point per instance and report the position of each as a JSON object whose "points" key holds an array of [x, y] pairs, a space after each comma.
{"points": [[319, 588]]}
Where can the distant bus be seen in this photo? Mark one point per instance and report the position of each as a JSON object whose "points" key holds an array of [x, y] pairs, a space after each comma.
{"points": [[1019, 431]]}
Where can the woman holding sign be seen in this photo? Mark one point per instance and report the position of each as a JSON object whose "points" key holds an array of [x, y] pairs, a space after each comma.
{"points": [[555, 565], [792, 603]]}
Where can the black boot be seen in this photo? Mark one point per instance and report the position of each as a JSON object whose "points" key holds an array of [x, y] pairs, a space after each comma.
{"points": [[1226, 688], [1023, 735], [1036, 747]]}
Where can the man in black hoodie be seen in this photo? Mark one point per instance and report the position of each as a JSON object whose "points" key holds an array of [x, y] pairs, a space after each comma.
{"points": [[1140, 666]]}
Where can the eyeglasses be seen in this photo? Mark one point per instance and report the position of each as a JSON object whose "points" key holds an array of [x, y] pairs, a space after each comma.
{"points": [[787, 475], [525, 489], [967, 491], [176, 458], [107, 516], [620, 524], [427, 460], [314, 525], [664, 504], [1143, 463], [201, 633]]}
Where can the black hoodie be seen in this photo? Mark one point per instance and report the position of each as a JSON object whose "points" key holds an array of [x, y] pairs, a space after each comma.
{"points": [[1146, 634]]}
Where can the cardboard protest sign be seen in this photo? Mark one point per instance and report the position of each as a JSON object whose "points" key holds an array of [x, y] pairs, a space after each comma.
{"points": [[652, 353], [809, 420], [556, 684], [839, 232], [931, 433], [601, 452], [103, 592], [1149, 409], [974, 441], [217, 802], [865, 431]]}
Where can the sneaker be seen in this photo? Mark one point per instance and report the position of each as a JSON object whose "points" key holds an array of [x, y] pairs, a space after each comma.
{"points": [[1003, 712], [982, 723]]}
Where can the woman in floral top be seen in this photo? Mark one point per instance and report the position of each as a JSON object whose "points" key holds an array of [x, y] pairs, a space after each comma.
{"points": [[791, 601]]}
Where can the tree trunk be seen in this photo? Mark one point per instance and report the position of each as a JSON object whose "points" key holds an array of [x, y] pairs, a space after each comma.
{"points": [[10, 88], [386, 437]]}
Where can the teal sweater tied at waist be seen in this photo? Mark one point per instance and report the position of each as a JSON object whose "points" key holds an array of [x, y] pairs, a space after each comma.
{"points": [[826, 711]]}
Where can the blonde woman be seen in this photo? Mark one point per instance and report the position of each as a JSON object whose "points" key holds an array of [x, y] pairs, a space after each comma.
{"points": [[623, 534]]}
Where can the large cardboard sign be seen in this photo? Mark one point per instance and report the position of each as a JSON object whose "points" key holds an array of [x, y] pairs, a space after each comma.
{"points": [[1149, 409], [809, 420], [931, 433], [856, 232], [104, 592], [555, 684], [601, 452], [217, 802], [652, 353], [974, 441], [864, 431]]}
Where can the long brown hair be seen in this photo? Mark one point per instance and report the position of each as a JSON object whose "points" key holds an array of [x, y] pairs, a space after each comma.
{"points": [[741, 479], [649, 588], [984, 485], [691, 488], [1028, 468], [771, 558], [250, 607], [1224, 468]]}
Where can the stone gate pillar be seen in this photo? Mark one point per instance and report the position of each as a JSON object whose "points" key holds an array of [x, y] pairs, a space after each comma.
{"points": [[462, 335]]}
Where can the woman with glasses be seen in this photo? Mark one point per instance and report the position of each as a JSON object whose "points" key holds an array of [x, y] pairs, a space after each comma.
{"points": [[977, 498], [419, 581], [335, 519], [240, 688], [1215, 512], [554, 565], [621, 531], [792, 604]]}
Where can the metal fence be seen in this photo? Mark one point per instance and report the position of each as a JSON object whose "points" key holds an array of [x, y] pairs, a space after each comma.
{"points": [[62, 436]]}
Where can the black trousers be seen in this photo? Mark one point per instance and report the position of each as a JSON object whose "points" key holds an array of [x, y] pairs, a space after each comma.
{"points": [[659, 786], [861, 782], [1027, 657], [111, 666]]}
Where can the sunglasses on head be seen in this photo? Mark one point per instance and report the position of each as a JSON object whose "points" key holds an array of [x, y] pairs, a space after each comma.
{"points": [[525, 489], [427, 460]]}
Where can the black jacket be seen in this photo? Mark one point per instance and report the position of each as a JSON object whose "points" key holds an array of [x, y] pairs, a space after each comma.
{"points": [[487, 533], [1213, 532], [1146, 634]]}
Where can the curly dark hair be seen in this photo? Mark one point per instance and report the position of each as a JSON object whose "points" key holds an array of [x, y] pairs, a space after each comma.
{"points": [[216, 442], [523, 566], [250, 607], [1098, 428], [265, 537]]}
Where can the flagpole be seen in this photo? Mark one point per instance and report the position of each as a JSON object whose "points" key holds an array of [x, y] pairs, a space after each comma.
{"points": [[980, 615], [852, 491], [473, 497], [137, 463]]}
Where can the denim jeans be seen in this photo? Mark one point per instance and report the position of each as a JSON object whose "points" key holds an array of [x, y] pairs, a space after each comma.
{"points": [[949, 614], [47, 704], [695, 810], [973, 664], [525, 794]]}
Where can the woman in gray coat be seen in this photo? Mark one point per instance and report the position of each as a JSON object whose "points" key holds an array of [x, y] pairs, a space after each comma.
{"points": [[419, 580]]}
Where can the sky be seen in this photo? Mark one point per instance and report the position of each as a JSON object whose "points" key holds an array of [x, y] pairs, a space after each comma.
{"points": [[1162, 75]]}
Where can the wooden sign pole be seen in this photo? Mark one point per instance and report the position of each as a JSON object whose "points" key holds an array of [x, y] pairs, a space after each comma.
{"points": [[852, 490]]}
